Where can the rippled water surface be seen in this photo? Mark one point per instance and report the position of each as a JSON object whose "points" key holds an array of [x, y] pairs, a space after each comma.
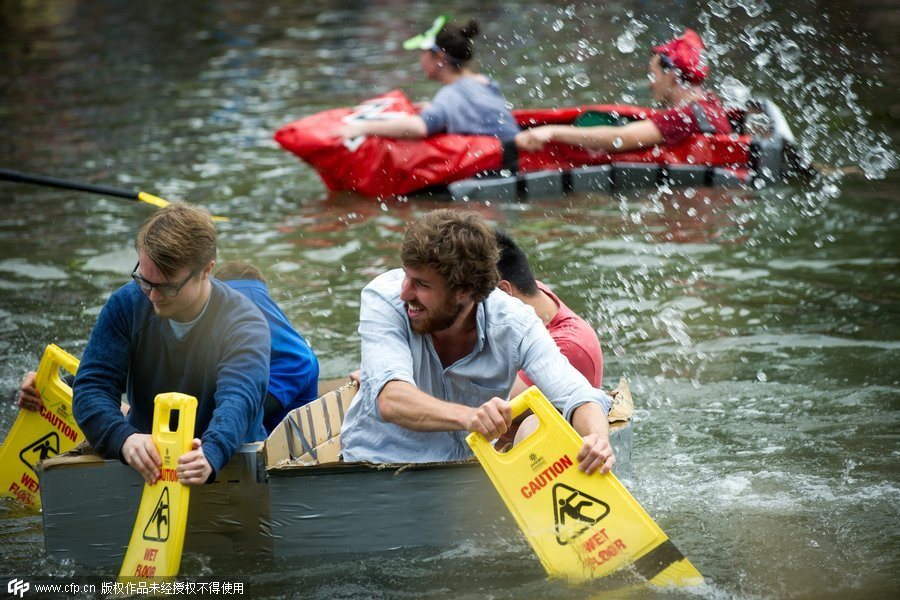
{"points": [[760, 328]]}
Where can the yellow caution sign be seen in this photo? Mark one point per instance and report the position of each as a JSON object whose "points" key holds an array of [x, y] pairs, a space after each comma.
{"points": [[158, 535], [580, 526], [41, 434]]}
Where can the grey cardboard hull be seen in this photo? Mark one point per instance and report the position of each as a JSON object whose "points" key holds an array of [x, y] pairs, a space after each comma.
{"points": [[89, 507]]}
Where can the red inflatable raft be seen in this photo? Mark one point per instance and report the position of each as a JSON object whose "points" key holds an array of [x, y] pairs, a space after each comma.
{"points": [[480, 167]]}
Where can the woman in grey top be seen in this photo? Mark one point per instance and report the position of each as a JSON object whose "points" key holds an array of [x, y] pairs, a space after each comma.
{"points": [[468, 103]]}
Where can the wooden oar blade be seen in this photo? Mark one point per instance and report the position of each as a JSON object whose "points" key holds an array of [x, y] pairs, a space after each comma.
{"points": [[157, 539], [580, 526], [41, 434]]}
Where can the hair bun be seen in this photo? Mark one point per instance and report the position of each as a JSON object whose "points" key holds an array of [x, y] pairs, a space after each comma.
{"points": [[470, 30]]}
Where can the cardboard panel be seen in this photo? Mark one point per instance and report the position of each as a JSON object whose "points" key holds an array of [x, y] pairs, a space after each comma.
{"points": [[629, 176], [686, 175], [500, 189], [592, 179], [307, 428], [353, 508], [78, 493], [543, 184], [360, 507]]}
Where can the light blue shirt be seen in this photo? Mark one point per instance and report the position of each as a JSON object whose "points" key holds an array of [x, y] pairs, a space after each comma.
{"points": [[470, 107], [509, 337]]}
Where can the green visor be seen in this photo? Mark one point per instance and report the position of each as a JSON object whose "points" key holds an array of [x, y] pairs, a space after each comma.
{"points": [[425, 41]]}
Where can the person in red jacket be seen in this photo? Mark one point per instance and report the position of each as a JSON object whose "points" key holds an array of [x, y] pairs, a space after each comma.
{"points": [[677, 71]]}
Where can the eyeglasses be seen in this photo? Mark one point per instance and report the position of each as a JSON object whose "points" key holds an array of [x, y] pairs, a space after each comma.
{"points": [[169, 290]]}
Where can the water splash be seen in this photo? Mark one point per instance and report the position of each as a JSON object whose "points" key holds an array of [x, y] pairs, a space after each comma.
{"points": [[821, 93], [626, 43], [581, 80]]}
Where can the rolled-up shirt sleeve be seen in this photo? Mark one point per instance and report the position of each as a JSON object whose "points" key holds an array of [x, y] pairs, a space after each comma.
{"points": [[385, 348], [554, 375]]}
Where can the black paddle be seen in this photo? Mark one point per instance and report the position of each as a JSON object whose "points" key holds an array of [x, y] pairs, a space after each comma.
{"points": [[68, 184]]}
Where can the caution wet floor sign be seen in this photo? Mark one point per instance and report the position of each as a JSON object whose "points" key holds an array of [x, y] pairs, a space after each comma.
{"points": [[37, 435], [158, 535], [580, 526]]}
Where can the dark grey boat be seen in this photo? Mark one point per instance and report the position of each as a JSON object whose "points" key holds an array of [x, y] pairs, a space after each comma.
{"points": [[290, 497]]}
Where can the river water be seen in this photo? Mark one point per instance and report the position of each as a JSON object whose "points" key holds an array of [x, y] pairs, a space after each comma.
{"points": [[760, 329]]}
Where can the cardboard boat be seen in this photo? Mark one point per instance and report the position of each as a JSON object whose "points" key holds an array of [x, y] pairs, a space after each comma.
{"points": [[290, 496], [480, 167]]}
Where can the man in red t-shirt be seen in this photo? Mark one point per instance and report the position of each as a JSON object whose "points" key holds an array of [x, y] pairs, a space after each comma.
{"points": [[677, 70], [576, 339]]}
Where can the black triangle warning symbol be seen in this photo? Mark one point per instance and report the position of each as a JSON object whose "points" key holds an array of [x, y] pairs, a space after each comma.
{"points": [[574, 511], [157, 528], [45, 447]]}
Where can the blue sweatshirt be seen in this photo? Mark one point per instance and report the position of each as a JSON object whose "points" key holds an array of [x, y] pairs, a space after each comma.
{"points": [[223, 362], [293, 366]]}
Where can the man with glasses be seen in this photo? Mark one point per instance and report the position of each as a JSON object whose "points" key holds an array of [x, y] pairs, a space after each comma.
{"points": [[677, 71], [174, 329]]}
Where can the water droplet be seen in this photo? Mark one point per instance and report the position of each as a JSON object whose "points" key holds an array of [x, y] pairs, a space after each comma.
{"points": [[789, 54], [761, 376], [626, 43], [718, 9], [581, 79], [762, 59], [733, 91], [803, 28], [617, 142], [558, 25], [754, 8], [876, 162]]}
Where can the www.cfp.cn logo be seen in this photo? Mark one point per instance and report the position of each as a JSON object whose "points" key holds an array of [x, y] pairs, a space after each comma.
{"points": [[18, 587]]}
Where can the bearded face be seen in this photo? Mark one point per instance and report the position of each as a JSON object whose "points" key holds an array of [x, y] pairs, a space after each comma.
{"points": [[424, 320], [430, 306]]}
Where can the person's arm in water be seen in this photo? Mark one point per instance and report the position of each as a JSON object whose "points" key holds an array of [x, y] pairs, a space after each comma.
{"points": [[411, 127], [633, 136]]}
